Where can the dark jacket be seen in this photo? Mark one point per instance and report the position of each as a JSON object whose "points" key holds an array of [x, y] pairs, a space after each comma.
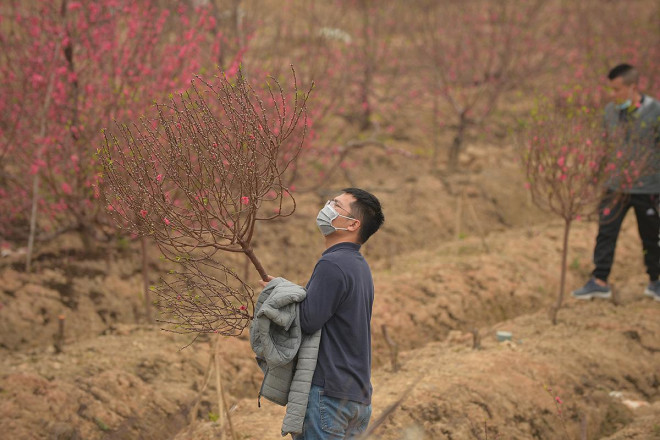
{"points": [[639, 128], [339, 300]]}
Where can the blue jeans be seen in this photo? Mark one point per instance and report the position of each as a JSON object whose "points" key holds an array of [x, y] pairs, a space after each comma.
{"points": [[331, 418]]}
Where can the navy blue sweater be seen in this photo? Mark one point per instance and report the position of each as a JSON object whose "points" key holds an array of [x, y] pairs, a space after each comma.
{"points": [[340, 295]]}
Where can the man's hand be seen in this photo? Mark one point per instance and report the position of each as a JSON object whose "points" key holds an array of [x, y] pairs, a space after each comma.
{"points": [[263, 283]]}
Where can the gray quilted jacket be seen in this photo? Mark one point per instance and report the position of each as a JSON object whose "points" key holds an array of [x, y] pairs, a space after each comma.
{"points": [[286, 355]]}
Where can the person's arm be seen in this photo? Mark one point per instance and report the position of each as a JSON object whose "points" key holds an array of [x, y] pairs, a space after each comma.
{"points": [[325, 292]]}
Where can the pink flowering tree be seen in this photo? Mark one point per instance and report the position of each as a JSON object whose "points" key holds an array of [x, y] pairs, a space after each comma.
{"points": [[348, 49], [196, 180], [596, 39], [569, 163], [68, 68], [470, 54]]}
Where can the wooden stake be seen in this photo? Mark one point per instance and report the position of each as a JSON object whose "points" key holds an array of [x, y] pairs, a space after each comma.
{"points": [[482, 234], [459, 215], [59, 337], [222, 401], [394, 349]]}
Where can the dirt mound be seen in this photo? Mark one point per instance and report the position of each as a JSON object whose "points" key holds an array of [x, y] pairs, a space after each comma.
{"points": [[134, 382], [423, 296], [94, 293], [600, 361], [595, 350], [91, 295]]}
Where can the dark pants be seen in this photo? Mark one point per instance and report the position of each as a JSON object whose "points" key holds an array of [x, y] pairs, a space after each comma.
{"points": [[609, 225]]}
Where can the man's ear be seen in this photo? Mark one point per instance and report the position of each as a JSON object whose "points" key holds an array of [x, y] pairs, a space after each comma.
{"points": [[354, 226]]}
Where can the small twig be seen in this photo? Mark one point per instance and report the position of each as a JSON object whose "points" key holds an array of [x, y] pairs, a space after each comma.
{"points": [[388, 411], [205, 382], [394, 349], [59, 337], [218, 385], [459, 214], [223, 409], [476, 339], [145, 279], [583, 427], [616, 298], [475, 218]]}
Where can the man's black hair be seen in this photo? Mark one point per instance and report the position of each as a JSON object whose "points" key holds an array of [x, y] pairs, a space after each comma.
{"points": [[625, 71], [367, 209]]}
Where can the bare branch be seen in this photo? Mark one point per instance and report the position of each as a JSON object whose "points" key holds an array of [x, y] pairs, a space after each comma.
{"points": [[196, 179]]}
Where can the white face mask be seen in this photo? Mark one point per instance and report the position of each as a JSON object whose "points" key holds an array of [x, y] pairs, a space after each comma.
{"points": [[624, 105], [326, 216]]}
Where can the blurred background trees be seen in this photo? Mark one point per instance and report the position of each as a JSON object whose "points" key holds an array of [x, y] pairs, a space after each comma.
{"points": [[420, 77]]}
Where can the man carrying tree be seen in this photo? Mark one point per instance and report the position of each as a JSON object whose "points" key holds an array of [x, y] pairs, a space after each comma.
{"points": [[637, 117], [340, 295]]}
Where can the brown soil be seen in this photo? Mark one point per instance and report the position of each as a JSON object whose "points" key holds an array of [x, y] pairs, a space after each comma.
{"points": [[459, 255]]}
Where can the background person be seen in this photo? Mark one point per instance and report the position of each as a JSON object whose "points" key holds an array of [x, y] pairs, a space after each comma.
{"points": [[637, 117]]}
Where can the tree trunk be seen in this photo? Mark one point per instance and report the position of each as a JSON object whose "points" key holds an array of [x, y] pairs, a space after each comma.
{"points": [[436, 131], [35, 181], [240, 34], [365, 115], [145, 280], [257, 264], [457, 144], [562, 279]]}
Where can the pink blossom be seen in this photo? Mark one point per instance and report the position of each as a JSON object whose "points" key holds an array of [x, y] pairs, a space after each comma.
{"points": [[159, 178], [606, 211], [561, 161], [245, 200], [37, 79], [66, 188], [233, 70], [558, 400], [167, 222], [143, 213], [243, 308]]}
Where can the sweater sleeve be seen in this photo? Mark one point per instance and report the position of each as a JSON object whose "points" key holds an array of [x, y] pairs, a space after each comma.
{"points": [[325, 292]]}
